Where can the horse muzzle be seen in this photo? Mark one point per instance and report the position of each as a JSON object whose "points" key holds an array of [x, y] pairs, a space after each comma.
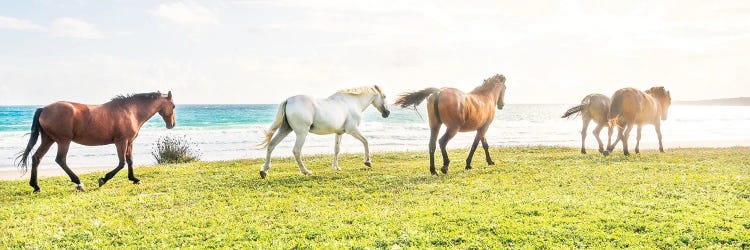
{"points": [[386, 113], [171, 125]]}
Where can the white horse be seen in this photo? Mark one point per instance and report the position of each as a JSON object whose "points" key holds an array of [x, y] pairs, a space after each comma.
{"points": [[339, 113]]}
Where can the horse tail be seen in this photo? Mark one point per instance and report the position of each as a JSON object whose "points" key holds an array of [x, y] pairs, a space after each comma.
{"points": [[277, 123], [413, 99], [36, 129], [573, 110], [615, 111]]}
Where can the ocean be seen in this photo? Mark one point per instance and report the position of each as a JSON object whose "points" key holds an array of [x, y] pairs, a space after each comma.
{"points": [[224, 132]]}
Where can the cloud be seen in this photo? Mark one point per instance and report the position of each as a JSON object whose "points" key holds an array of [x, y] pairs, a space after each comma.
{"points": [[74, 28], [186, 14], [18, 24]]}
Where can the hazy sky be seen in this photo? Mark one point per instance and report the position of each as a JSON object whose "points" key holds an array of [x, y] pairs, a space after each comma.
{"points": [[261, 51]]}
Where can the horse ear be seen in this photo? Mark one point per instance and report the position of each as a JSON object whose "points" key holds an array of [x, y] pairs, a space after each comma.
{"points": [[169, 95]]}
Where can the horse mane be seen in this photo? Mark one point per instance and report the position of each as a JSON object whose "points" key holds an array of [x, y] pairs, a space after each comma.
{"points": [[127, 98], [490, 83], [658, 92], [361, 90]]}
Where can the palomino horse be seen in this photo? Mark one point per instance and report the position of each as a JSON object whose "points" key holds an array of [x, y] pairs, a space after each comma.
{"points": [[116, 121], [593, 107], [338, 114], [459, 112], [632, 107]]}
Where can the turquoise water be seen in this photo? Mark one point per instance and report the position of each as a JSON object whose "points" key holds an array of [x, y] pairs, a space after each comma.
{"points": [[18, 118], [223, 132]]}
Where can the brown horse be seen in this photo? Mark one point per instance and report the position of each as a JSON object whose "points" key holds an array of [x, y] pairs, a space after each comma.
{"points": [[593, 107], [117, 121], [459, 112], [632, 107]]}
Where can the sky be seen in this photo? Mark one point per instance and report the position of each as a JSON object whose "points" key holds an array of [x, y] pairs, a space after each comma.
{"points": [[263, 51]]}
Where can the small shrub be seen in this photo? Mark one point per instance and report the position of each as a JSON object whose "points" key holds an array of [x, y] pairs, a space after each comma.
{"points": [[174, 150]]}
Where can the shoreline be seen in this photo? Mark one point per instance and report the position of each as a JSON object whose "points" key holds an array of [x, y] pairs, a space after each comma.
{"points": [[15, 174]]}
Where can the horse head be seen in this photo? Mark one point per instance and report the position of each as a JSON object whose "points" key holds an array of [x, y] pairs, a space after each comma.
{"points": [[166, 110], [663, 97], [379, 102]]}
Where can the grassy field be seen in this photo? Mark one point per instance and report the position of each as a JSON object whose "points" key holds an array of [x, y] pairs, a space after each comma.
{"points": [[540, 197]]}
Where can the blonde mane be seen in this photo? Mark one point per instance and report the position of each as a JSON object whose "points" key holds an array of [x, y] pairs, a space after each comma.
{"points": [[361, 90]]}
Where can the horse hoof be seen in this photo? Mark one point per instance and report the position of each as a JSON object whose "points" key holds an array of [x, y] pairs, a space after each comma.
{"points": [[444, 170], [490, 163], [306, 173], [102, 181], [368, 164], [36, 190], [80, 188], [626, 154], [468, 167], [605, 153], [583, 151], [262, 175], [433, 172], [137, 182]]}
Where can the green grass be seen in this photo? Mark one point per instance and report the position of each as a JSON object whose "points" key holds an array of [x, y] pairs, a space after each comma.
{"points": [[535, 197]]}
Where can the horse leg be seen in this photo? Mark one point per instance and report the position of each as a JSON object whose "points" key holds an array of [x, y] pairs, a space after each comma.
{"points": [[336, 149], [596, 133], [479, 137], [611, 147], [487, 151], [471, 152], [638, 140], [129, 160], [625, 136], [584, 130], [449, 133], [433, 138], [283, 132], [657, 126], [37, 158], [61, 159], [298, 151], [121, 148], [355, 133], [609, 141]]}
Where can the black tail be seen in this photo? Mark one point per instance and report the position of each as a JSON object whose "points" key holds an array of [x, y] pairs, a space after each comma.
{"points": [[22, 159], [573, 110], [413, 99]]}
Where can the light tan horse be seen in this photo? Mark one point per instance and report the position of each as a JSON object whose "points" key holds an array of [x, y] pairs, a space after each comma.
{"points": [[459, 112], [631, 107], [115, 122], [594, 107]]}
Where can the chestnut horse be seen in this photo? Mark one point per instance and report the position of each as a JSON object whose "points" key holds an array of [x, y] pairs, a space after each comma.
{"points": [[593, 107], [116, 121], [459, 112], [632, 107]]}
